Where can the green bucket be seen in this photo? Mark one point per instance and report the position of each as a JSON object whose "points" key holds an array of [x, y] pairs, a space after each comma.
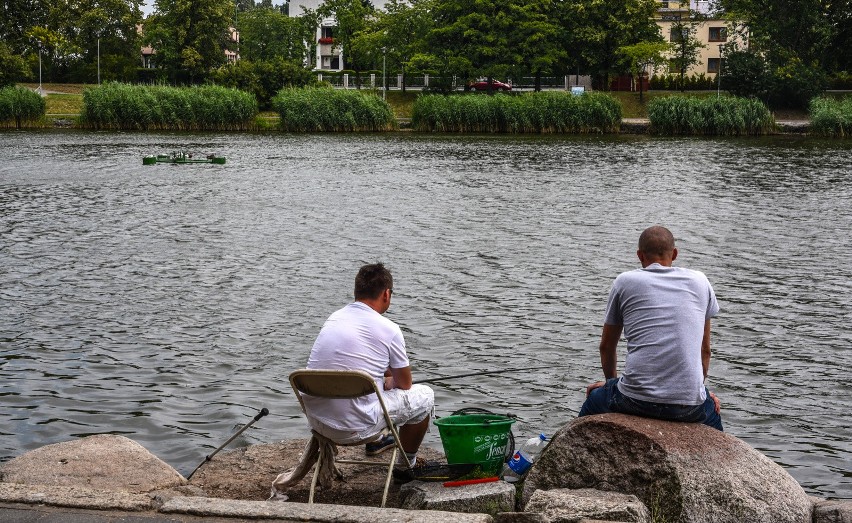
{"points": [[481, 439]]}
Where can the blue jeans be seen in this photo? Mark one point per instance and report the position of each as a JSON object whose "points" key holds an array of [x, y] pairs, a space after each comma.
{"points": [[609, 399]]}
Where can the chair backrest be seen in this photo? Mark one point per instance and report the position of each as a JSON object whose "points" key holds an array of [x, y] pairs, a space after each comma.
{"points": [[336, 384]]}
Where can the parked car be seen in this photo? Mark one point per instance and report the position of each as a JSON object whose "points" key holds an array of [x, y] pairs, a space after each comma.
{"points": [[482, 85]]}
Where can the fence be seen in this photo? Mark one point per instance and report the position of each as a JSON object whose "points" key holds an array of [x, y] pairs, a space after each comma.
{"points": [[426, 82]]}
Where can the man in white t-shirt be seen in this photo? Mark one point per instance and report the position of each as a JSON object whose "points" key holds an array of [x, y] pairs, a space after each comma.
{"points": [[358, 337], [665, 313]]}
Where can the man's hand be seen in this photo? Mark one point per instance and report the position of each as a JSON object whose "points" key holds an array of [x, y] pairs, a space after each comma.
{"points": [[389, 384], [594, 386], [717, 402]]}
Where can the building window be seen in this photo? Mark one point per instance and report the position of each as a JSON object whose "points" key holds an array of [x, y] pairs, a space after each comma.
{"points": [[327, 32], [678, 34], [718, 34], [713, 64]]}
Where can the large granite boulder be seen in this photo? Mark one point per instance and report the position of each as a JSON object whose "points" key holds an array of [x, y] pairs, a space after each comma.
{"points": [[683, 472], [102, 461]]}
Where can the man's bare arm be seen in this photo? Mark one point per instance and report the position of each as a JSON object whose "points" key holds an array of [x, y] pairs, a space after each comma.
{"points": [[705, 349], [401, 379], [609, 356]]}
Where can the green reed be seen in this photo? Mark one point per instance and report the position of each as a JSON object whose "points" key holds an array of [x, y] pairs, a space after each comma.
{"points": [[542, 112], [20, 106], [317, 109], [203, 108], [727, 116], [831, 117]]}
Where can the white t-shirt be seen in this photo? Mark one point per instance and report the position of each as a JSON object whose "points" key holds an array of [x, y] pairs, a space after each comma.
{"points": [[663, 311], [355, 337]]}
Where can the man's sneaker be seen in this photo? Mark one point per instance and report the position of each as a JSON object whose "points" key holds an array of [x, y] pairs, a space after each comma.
{"points": [[377, 447], [420, 469]]}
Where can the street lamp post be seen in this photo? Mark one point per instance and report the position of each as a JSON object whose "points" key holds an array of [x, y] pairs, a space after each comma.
{"points": [[719, 75], [99, 59], [384, 74], [40, 90]]}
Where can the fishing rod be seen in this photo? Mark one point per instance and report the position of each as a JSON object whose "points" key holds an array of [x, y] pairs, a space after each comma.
{"points": [[481, 373], [263, 412]]}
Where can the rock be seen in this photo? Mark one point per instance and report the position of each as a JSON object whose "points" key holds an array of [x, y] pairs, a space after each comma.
{"points": [[102, 461], [832, 511], [247, 474], [489, 498], [683, 472], [572, 506], [519, 517]]}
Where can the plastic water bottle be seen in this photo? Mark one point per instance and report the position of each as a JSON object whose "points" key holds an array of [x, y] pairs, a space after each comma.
{"points": [[523, 458]]}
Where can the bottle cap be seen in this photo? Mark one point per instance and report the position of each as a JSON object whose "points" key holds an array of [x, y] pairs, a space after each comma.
{"points": [[542, 437]]}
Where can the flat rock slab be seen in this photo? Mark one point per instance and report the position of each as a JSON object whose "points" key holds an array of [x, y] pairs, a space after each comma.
{"points": [[103, 461], [491, 498], [683, 472], [77, 497], [207, 507], [572, 506], [247, 474]]}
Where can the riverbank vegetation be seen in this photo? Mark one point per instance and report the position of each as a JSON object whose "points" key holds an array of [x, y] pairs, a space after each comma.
{"points": [[206, 108], [20, 106], [831, 117], [727, 116], [326, 109], [545, 112]]}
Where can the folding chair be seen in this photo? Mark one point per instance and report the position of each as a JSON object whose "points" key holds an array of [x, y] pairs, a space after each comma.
{"points": [[345, 384]]}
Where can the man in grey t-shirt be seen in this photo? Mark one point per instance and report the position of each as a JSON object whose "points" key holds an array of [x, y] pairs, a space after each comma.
{"points": [[665, 313]]}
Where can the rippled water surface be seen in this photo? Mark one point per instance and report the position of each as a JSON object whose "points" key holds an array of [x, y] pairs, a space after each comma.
{"points": [[169, 303]]}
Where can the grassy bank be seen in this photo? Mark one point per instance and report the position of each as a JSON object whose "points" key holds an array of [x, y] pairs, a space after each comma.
{"points": [[728, 116], [331, 110], [206, 108], [832, 117], [546, 112]]}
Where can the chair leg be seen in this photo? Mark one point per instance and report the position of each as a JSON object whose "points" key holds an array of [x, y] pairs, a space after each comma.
{"points": [[389, 476], [314, 479]]}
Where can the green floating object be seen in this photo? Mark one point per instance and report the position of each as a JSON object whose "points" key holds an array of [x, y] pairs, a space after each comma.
{"points": [[481, 439], [182, 158]]}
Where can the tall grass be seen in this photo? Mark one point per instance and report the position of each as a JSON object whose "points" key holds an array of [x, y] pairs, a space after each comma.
{"points": [[206, 108], [543, 112], [19, 106], [728, 115], [830, 117], [314, 109]]}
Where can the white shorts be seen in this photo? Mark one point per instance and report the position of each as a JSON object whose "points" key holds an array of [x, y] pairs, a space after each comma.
{"points": [[405, 407]]}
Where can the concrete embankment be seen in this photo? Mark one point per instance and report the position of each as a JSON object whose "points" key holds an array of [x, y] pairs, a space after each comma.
{"points": [[610, 467]]}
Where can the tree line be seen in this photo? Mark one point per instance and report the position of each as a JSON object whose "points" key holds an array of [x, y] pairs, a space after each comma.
{"points": [[794, 46]]}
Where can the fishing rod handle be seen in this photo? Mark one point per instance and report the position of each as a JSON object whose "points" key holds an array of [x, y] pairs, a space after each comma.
{"points": [[263, 412]]}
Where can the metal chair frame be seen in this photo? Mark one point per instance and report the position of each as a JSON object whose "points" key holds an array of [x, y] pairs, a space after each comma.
{"points": [[346, 384]]}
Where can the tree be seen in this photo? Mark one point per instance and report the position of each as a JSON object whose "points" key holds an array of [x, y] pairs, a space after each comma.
{"points": [[266, 33], [473, 38], [112, 23], [190, 36], [685, 46], [596, 29], [13, 68], [642, 55], [537, 37], [17, 18], [395, 34]]}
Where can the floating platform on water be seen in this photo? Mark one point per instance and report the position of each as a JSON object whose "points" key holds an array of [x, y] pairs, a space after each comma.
{"points": [[182, 158]]}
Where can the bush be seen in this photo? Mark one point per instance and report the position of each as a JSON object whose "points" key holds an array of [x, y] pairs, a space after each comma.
{"points": [[746, 74], [841, 80], [324, 109], [19, 105], [671, 82], [795, 83], [264, 78], [207, 108], [728, 115], [13, 68], [830, 117], [542, 112]]}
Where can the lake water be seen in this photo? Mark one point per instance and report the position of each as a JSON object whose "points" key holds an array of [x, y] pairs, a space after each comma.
{"points": [[169, 303]]}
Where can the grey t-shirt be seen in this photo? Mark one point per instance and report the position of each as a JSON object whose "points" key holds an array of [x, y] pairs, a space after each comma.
{"points": [[663, 311]]}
